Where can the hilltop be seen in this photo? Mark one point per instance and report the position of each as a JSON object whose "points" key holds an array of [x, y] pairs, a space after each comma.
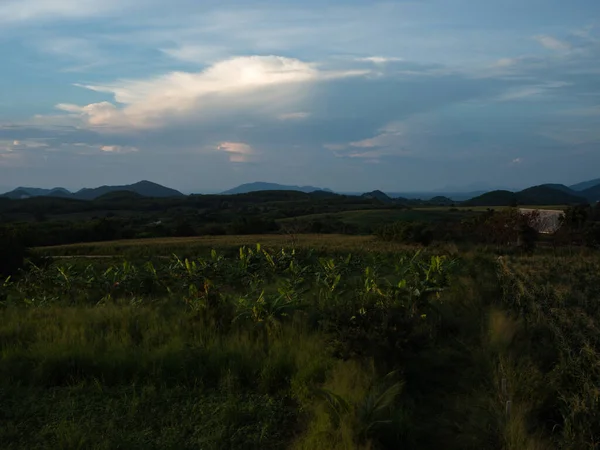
{"points": [[143, 188], [536, 195], [263, 186]]}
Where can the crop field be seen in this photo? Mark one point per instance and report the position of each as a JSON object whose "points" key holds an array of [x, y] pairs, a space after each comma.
{"points": [[300, 342], [202, 245], [376, 218]]}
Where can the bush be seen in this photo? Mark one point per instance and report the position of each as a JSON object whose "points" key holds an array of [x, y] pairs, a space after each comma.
{"points": [[407, 232], [253, 225], [12, 253]]}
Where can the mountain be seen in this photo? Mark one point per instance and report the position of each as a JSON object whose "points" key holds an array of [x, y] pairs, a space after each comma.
{"points": [[377, 195], [59, 192], [455, 196], [561, 187], [481, 186], [441, 200], [585, 185], [26, 192], [115, 196], [323, 194], [493, 198], [536, 195], [144, 188], [592, 194], [547, 195], [17, 194], [262, 186]]}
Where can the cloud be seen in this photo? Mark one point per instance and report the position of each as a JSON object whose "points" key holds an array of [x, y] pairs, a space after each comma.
{"points": [[517, 161], [379, 59], [239, 152], [230, 83], [95, 114], [591, 111], [552, 43], [293, 116], [16, 145], [26, 10], [525, 92], [102, 148], [334, 147], [118, 149], [505, 62], [197, 54], [390, 140]]}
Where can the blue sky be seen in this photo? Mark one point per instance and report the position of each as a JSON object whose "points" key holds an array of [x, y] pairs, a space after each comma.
{"points": [[351, 95]]}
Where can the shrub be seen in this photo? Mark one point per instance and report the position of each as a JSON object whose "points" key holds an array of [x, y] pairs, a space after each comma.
{"points": [[408, 232], [12, 253]]}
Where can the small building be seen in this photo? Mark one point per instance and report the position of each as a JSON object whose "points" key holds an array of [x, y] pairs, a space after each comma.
{"points": [[548, 221]]}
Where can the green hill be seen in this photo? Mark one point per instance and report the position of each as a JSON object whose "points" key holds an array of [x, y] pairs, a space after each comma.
{"points": [[144, 188], [585, 185], [17, 194], [441, 200], [493, 198], [377, 195], [536, 195], [262, 186], [546, 195], [119, 196], [592, 194]]}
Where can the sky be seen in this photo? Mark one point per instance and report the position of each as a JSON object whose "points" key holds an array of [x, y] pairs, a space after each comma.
{"points": [[204, 95]]}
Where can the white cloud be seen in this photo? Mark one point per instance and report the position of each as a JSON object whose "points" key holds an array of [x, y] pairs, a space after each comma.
{"points": [[95, 114], [517, 161], [195, 53], [335, 147], [16, 145], [552, 43], [230, 83], [389, 136], [379, 59], [118, 149], [591, 111], [239, 152], [525, 92], [24, 10], [88, 149], [293, 116], [391, 140], [505, 62]]}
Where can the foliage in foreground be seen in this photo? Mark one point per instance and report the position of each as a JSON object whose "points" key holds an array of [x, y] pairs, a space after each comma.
{"points": [[306, 350], [282, 332], [552, 358]]}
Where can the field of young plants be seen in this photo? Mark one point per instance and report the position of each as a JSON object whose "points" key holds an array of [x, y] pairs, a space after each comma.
{"points": [[301, 347]]}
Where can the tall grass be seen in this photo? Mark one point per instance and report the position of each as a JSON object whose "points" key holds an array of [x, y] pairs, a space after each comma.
{"points": [[306, 348]]}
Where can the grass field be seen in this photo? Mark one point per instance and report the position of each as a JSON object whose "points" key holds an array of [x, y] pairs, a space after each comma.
{"points": [[303, 342], [201, 245], [377, 218], [485, 208]]}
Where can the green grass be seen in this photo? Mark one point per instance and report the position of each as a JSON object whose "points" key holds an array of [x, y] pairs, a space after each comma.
{"points": [[485, 208], [304, 350], [147, 378], [376, 218], [335, 243]]}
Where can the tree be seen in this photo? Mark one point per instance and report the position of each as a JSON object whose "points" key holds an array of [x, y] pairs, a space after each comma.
{"points": [[184, 229], [528, 237], [12, 253]]}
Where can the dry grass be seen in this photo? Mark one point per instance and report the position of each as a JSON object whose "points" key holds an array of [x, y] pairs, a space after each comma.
{"points": [[167, 246]]}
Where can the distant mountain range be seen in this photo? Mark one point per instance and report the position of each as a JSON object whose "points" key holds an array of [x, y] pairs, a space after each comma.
{"points": [[585, 185], [262, 186], [545, 194], [143, 188]]}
